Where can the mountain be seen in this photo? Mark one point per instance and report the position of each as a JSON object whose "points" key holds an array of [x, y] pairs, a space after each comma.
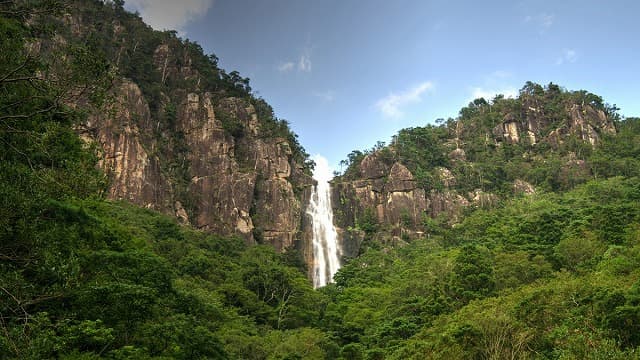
{"points": [[152, 207], [180, 135], [504, 233], [546, 139], [184, 137], [97, 109]]}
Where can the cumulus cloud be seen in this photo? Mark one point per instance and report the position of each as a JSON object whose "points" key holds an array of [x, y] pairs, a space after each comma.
{"points": [[568, 56], [391, 105], [170, 14]]}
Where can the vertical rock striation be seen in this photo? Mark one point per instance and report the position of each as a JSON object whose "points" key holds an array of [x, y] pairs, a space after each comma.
{"points": [[203, 157]]}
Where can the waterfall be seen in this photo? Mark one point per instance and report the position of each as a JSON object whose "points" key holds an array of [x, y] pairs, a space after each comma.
{"points": [[326, 249]]}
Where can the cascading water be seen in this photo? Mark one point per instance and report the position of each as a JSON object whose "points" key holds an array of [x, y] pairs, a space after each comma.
{"points": [[326, 247]]}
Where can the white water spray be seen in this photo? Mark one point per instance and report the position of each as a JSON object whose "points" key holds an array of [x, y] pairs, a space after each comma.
{"points": [[326, 249]]}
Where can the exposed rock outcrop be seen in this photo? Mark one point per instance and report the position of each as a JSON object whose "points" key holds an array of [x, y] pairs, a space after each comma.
{"points": [[134, 172], [390, 196], [201, 157], [523, 187], [457, 154], [585, 122]]}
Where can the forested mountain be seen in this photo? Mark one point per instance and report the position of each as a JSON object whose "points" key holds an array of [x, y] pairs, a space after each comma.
{"points": [[504, 233], [96, 105], [151, 207], [547, 139], [174, 132]]}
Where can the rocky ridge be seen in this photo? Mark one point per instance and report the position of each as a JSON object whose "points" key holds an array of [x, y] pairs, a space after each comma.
{"points": [[385, 191]]}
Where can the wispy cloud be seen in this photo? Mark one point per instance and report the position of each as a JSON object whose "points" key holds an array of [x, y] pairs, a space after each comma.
{"points": [[542, 21], [170, 14], [391, 105], [546, 20], [287, 66], [568, 56], [327, 96], [498, 75], [302, 64]]}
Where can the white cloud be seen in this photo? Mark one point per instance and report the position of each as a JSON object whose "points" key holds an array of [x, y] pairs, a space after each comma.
{"points": [[170, 14], [489, 94], [546, 20], [568, 56], [287, 66], [327, 96], [499, 74], [543, 21], [495, 83], [391, 105], [304, 64]]}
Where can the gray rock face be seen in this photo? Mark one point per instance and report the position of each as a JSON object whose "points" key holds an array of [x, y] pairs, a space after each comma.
{"points": [[584, 121], [391, 195], [400, 179], [119, 132], [241, 182]]}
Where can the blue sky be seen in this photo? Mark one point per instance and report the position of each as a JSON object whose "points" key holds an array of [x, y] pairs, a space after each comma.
{"points": [[349, 73]]}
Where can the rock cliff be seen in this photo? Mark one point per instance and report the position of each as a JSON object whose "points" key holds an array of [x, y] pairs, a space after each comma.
{"points": [[389, 196], [181, 136], [248, 185], [584, 121], [382, 191]]}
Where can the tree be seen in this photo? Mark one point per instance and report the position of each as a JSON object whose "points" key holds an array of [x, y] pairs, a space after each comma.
{"points": [[473, 273]]}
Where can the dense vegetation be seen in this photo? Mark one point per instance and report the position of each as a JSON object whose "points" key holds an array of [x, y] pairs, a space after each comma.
{"points": [[550, 275], [84, 278], [545, 276], [531, 276], [108, 279]]}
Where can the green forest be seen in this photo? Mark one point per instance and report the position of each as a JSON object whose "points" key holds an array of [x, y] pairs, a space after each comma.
{"points": [[551, 275]]}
